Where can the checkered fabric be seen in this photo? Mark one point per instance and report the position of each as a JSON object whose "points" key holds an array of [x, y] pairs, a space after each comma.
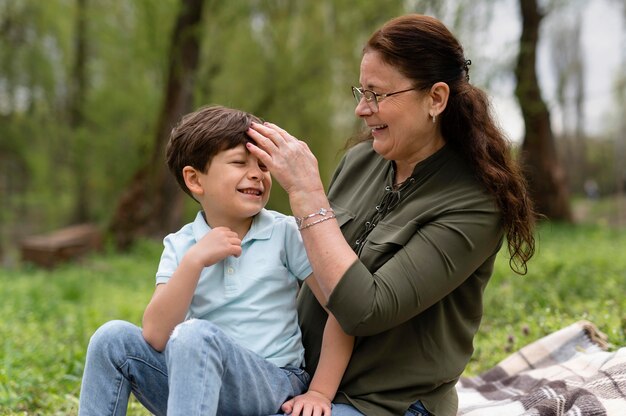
{"points": [[568, 372]]}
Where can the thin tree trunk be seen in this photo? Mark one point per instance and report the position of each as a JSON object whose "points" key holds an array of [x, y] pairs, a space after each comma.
{"points": [[78, 86], [152, 204], [543, 171], [581, 140]]}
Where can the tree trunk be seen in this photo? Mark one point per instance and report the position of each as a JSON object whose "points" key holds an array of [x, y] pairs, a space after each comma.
{"points": [[77, 85], [152, 205], [544, 173]]}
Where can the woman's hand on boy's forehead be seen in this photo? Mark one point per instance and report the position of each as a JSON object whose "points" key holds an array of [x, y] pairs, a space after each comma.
{"points": [[288, 159], [261, 136]]}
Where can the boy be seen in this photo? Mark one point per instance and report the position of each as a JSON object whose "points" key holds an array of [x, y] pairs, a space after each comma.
{"points": [[220, 334]]}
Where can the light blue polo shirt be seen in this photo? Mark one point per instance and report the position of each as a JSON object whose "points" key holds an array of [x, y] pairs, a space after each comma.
{"points": [[252, 297]]}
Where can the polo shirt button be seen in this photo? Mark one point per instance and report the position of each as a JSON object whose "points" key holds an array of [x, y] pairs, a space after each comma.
{"points": [[230, 270]]}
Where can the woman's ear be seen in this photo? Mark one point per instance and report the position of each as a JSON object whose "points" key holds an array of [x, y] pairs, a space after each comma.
{"points": [[192, 180], [439, 93]]}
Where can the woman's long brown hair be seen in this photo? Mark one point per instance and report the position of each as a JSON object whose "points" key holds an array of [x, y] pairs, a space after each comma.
{"points": [[426, 52]]}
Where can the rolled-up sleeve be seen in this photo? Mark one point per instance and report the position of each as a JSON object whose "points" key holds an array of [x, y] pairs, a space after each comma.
{"points": [[437, 258]]}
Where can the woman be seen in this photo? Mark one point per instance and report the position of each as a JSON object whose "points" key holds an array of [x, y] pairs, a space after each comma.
{"points": [[404, 243]]}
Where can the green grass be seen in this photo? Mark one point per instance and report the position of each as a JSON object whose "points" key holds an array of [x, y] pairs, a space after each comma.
{"points": [[48, 316], [577, 273]]}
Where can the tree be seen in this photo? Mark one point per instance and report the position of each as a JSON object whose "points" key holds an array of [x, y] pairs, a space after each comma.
{"points": [[152, 203], [78, 84], [568, 64], [544, 173]]}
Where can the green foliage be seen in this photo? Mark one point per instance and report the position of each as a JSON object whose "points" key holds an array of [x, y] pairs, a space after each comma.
{"points": [[288, 62], [48, 316], [126, 63]]}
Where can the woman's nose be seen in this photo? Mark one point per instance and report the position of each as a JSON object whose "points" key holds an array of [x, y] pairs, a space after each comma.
{"points": [[363, 109]]}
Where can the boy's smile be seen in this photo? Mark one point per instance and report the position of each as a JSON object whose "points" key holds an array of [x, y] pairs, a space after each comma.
{"points": [[252, 191], [235, 187]]}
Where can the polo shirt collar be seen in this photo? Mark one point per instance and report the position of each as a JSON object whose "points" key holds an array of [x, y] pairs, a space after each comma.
{"points": [[261, 229]]}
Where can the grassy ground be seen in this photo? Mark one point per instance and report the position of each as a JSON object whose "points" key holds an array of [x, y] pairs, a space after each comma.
{"points": [[578, 273], [48, 317]]}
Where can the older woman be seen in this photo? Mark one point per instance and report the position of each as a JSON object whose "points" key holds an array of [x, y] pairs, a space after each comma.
{"points": [[405, 241]]}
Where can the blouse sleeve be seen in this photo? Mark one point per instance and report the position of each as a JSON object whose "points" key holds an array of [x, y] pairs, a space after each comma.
{"points": [[437, 258]]}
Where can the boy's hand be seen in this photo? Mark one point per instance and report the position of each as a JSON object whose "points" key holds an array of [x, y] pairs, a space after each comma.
{"points": [[216, 245], [311, 403]]}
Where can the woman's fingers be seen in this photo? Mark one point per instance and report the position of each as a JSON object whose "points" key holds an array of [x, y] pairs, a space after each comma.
{"points": [[260, 154], [262, 137], [283, 133], [274, 134], [262, 147]]}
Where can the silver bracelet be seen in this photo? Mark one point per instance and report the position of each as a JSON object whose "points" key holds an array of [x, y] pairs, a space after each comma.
{"points": [[322, 212], [311, 224]]}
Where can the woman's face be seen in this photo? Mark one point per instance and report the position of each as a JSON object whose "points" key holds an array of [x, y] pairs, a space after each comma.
{"points": [[402, 128]]}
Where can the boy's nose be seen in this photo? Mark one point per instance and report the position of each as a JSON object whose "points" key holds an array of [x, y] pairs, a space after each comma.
{"points": [[255, 173]]}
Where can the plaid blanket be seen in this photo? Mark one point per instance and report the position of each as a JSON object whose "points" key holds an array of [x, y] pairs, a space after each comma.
{"points": [[568, 373]]}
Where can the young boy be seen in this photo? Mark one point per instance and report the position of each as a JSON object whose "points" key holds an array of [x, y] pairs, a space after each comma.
{"points": [[220, 334]]}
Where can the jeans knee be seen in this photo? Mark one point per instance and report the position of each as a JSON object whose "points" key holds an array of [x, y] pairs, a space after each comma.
{"points": [[111, 336], [193, 333]]}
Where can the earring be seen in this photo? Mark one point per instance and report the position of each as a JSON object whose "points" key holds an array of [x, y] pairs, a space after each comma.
{"points": [[434, 118]]}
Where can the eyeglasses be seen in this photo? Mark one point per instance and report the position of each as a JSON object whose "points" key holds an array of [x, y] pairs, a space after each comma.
{"points": [[373, 98]]}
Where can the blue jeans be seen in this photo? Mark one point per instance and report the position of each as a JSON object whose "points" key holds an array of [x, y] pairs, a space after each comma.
{"points": [[417, 409], [207, 374]]}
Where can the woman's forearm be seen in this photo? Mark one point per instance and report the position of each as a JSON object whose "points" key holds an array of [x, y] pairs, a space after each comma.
{"points": [[294, 166], [334, 357], [329, 253]]}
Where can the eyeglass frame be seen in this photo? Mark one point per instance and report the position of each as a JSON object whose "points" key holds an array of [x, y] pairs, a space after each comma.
{"points": [[360, 93]]}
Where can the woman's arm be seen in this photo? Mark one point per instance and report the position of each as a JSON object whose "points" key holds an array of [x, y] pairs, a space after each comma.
{"points": [[437, 259], [170, 302], [295, 168], [335, 355], [433, 261], [334, 358]]}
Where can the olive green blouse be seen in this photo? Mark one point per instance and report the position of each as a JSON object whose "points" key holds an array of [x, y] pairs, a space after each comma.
{"points": [[414, 298]]}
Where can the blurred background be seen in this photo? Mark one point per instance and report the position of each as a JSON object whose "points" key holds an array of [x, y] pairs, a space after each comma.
{"points": [[89, 90]]}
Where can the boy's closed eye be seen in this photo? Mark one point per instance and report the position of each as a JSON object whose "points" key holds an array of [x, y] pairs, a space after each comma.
{"points": [[245, 162]]}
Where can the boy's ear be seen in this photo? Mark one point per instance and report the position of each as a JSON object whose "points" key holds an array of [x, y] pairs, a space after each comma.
{"points": [[192, 180], [439, 94]]}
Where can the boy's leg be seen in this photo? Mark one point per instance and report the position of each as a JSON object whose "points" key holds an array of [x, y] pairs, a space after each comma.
{"points": [[120, 360], [210, 374]]}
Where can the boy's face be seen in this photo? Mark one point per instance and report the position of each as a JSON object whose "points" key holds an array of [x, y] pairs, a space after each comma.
{"points": [[235, 187]]}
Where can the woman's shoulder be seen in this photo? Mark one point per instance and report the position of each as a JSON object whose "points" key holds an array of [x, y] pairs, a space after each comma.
{"points": [[361, 149]]}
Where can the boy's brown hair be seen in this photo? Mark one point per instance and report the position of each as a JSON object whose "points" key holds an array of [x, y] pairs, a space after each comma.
{"points": [[200, 135]]}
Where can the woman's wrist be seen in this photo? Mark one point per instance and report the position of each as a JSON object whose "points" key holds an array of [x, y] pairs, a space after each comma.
{"points": [[304, 203]]}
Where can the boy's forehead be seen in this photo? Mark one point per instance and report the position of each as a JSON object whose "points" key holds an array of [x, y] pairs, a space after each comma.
{"points": [[240, 148]]}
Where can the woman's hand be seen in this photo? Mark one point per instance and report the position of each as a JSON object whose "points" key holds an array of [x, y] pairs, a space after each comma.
{"points": [[311, 403], [289, 160]]}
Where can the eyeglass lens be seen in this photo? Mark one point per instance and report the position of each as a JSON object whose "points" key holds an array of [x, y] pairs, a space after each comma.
{"points": [[370, 97]]}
